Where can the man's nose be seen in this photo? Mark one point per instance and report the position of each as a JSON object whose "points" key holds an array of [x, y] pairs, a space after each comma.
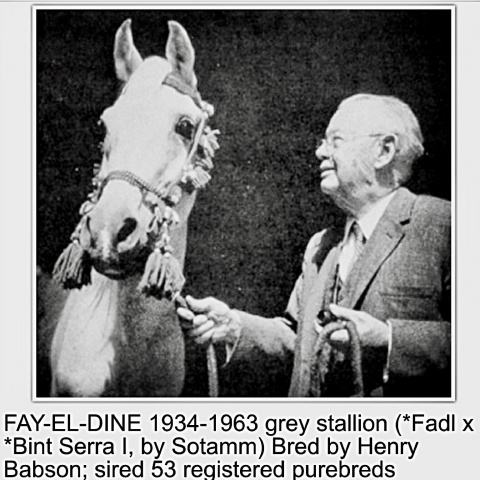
{"points": [[322, 151]]}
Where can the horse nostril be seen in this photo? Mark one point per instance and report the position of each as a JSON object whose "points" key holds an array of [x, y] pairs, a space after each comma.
{"points": [[128, 227]]}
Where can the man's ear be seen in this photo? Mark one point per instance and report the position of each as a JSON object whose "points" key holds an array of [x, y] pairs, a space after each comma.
{"points": [[387, 148]]}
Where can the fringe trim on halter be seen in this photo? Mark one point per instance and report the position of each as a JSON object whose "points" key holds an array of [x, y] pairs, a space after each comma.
{"points": [[73, 267], [195, 179], [163, 276]]}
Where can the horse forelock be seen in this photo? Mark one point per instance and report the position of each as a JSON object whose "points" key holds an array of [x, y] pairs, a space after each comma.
{"points": [[150, 74]]}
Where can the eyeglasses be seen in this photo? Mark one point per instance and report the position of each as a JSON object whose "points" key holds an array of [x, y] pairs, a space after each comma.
{"points": [[333, 141]]}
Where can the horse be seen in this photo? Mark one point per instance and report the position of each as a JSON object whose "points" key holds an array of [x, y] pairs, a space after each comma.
{"points": [[116, 333]]}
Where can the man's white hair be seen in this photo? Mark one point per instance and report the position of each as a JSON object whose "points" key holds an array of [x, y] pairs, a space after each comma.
{"points": [[400, 120]]}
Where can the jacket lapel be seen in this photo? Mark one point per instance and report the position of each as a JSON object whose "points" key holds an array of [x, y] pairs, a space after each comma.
{"points": [[385, 238]]}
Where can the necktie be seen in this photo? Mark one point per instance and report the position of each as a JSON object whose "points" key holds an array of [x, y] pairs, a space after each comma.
{"points": [[353, 248], [358, 242]]}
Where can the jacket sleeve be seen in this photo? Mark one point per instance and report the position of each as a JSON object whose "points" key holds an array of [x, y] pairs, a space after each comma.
{"points": [[421, 356], [262, 361], [420, 359]]}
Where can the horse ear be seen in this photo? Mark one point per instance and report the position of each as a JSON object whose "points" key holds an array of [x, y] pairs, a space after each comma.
{"points": [[127, 58], [180, 53]]}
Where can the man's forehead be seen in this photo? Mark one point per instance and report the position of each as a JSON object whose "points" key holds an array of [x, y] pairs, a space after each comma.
{"points": [[358, 117]]}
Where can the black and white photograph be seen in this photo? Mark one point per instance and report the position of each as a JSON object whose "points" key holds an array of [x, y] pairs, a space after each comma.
{"points": [[244, 203], [239, 240]]}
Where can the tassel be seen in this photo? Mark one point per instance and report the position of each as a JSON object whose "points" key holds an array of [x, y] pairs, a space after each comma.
{"points": [[201, 177], [73, 268], [163, 275], [195, 179], [204, 162]]}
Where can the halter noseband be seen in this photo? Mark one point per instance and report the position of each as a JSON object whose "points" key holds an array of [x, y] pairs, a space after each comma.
{"points": [[132, 179]]}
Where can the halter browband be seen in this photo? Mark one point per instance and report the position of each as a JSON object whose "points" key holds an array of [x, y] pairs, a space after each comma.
{"points": [[173, 80]]}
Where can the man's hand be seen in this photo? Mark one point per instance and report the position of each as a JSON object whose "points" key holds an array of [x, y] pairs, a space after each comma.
{"points": [[209, 321], [371, 331]]}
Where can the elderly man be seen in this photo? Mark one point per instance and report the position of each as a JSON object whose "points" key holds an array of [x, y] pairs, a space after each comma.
{"points": [[387, 271]]}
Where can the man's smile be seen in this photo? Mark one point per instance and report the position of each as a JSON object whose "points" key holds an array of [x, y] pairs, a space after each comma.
{"points": [[326, 168]]}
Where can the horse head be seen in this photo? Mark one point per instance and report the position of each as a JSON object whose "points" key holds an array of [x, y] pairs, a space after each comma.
{"points": [[157, 151]]}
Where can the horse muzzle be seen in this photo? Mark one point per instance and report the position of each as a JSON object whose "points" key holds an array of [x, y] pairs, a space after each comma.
{"points": [[115, 239]]}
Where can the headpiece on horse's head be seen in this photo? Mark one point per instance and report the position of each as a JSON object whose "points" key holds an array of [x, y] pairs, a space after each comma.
{"points": [[163, 275]]}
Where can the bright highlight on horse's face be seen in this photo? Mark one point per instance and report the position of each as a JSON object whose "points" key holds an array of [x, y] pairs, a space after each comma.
{"points": [[141, 127], [150, 131]]}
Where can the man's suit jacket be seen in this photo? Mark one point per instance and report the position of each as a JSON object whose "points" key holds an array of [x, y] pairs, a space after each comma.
{"points": [[402, 275]]}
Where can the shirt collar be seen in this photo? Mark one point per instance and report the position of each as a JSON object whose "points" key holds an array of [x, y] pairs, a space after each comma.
{"points": [[369, 220]]}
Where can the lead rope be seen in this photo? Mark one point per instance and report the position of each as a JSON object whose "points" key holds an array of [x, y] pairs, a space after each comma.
{"points": [[322, 358], [212, 367]]}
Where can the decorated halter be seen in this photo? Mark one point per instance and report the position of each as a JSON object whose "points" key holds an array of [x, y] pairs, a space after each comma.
{"points": [[163, 275]]}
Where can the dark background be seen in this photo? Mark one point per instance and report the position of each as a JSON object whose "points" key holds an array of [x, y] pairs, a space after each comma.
{"points": [[275, 78]]}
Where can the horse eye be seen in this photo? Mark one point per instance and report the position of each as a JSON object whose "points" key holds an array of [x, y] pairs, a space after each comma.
{"points": [[185, 128]]}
